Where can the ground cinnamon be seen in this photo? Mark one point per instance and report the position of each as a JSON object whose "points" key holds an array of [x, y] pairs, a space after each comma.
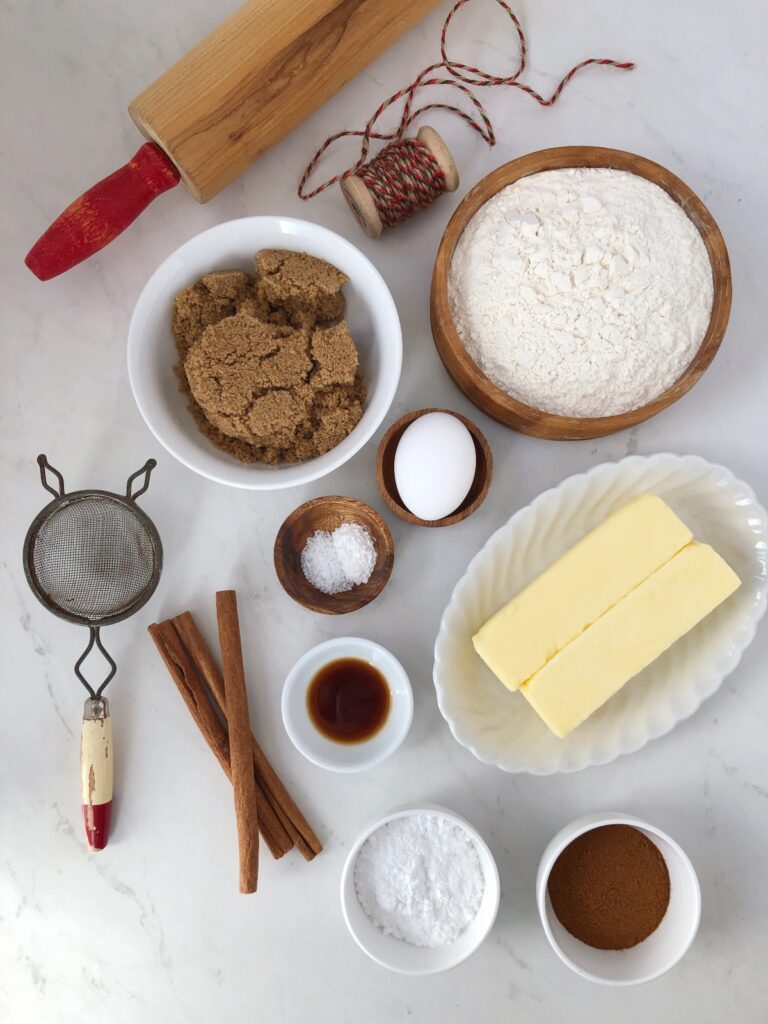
{"points": [[610, 887], [239, 729]]}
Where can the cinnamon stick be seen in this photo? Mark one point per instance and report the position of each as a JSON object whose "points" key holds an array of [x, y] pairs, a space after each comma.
{"points": [[185, 674], [296, 825], [240, 749], [182, 671]]}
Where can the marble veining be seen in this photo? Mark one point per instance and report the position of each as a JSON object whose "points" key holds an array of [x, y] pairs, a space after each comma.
{"points": [[153, 929]]}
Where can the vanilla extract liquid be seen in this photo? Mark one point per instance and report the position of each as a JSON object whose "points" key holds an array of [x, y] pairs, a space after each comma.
{"points": [[348, 700]]}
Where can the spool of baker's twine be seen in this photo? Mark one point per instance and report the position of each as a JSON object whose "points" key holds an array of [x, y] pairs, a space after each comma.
{"points": [[408, 175]]}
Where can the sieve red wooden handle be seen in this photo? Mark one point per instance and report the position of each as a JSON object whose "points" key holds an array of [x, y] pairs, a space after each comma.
{"points": [[102, 213], [96, 771]]}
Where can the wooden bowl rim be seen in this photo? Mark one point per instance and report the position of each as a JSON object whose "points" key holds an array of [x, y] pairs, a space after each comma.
{"points": [[327, 604], [511, 411], [399, 509]]}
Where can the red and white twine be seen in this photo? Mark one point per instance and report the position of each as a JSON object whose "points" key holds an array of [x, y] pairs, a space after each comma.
{"points": [[405, 177]]}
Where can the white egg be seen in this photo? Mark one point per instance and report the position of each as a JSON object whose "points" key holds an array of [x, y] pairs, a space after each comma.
{"points": [[435, 463]]}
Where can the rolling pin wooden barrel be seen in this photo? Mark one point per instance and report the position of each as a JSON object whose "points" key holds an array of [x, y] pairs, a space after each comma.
{"points": [[210, 116]]}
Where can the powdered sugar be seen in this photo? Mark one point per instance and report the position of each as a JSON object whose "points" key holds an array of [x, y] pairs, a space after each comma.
{"points": [[338, 561], [419, 879], [583, 292]]}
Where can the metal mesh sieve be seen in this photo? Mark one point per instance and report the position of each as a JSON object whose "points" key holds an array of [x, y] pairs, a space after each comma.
{"points": [[93, 557]]}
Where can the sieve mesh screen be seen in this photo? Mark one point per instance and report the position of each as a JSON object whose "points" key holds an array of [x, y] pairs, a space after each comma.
{"points": [[93, 557]]}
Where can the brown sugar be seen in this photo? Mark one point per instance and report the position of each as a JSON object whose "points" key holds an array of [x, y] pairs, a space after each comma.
{"points": [[610, 887], [307, 288], [234, 369], [331, 412], [264, 382], [231, 285], [206, 302], [334, 355]]}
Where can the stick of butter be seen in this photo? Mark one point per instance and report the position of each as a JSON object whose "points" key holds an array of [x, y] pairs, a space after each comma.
{"points": [[632, 634], [579, 587]]}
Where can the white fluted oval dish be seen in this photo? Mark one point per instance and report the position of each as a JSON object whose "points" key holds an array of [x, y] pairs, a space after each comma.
{"points": [[499, 727]]}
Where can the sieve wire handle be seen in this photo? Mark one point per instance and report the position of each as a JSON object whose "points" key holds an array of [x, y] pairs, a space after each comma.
{"points": [[95, 641], [45, 468], [145, 470], [96, 771]]}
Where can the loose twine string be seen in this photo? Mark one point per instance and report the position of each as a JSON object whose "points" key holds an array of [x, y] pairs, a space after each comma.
{"points": [[405, 177]]}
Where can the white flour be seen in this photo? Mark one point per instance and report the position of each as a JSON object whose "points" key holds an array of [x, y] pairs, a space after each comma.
{"points": [[419, 878], [582, 292]]}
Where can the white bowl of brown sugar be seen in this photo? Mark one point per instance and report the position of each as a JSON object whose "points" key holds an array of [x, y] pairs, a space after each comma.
{"points": [[264, 352]]}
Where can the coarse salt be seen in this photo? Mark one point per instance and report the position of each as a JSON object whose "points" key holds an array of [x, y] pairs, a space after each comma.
{"points": [[419, 879], [336, 562]]}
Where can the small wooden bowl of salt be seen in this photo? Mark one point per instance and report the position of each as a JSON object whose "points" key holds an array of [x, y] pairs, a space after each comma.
{"points": [[334, 555]]}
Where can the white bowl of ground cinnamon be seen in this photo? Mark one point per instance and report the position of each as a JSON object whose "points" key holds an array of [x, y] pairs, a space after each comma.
{"points": [[618, 898], [264, 352]]}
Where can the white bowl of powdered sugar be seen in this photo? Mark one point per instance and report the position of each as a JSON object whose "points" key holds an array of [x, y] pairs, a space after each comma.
{"points": [[420, 890]]}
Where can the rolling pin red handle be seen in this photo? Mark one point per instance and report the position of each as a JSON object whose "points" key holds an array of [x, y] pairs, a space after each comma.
{"points": [[96, 771], [102, 213]]}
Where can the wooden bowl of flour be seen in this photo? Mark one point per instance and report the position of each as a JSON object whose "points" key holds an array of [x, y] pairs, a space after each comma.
{"points": [[492, 399]]}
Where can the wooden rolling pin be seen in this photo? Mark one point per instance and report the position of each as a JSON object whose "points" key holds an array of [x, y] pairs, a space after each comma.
{"points": [[238, 92]]}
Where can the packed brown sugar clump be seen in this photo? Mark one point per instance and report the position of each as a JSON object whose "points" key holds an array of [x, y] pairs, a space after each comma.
{"points": [[269, 366]]}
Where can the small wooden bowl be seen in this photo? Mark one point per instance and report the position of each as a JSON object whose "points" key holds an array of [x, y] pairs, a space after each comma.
{"points": [[327, 514], [492, 399], [385, 471]]}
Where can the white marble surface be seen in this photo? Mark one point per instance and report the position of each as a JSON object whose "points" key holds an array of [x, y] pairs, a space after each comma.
{"points": [[153, 929]]}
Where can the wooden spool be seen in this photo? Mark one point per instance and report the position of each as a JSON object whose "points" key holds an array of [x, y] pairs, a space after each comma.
{"points": [[361, 200]]}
